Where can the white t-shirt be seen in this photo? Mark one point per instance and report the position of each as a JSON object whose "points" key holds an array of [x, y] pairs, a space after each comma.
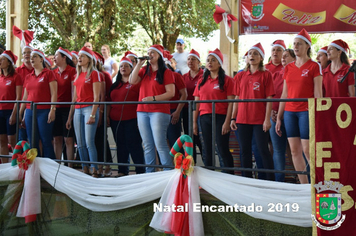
{"points": [[108, 65], [181, 59]]}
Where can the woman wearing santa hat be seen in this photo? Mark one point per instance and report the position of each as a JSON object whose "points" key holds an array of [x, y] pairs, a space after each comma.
{"points": [[191, 80], [253, 118], [75, 57], [335, 72], [40, 86], [123, 119], [10, 89], [66, 74], [175, 126], [110, 64], [322, 57], [214, 85], [87, 88], [279, 142], [275, 64], [157, 84], [99, 136], [132, 56], [302, 79]]}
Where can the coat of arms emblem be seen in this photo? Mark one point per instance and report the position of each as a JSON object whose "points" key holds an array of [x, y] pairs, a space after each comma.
{"points": [[257, 10]]}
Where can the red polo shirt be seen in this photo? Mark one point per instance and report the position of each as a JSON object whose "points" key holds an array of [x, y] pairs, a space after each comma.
{"points": [[124, 92], [273, 68], [64, 83], [278, 82], [211, 91], [8, 86], [300, 83], [331, 82], [38, 89], [191, 83], [150, 87], [84, 87], [178, 84], [253, 86], [23, 71]]}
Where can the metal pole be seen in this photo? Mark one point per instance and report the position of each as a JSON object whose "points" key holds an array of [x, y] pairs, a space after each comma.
{"points": [[213, 132]]}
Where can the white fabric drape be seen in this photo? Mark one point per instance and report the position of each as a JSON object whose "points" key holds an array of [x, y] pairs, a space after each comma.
{"points": [[110, 194]]}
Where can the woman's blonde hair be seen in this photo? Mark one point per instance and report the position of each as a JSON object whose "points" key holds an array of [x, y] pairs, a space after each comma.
{"points": [[90, 69], [261, 66], [108, 48]]}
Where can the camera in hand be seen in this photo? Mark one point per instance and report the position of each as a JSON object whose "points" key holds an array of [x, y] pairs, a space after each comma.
{"points": [[144, 58]]}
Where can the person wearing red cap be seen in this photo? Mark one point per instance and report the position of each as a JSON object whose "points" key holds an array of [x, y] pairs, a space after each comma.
{"points": [[66, 74], [322, 57], [275, 64], [99, 136], [10, 89], [214, 85], [175, 126], [24, 70], [279, 143], [253, 118], [48, 63], [86, 89], [335, 72], [302, 79], [157, 84], [132, 56], [75, 57], [40, 86], [191, 80], [110, 64], [123, 119]]}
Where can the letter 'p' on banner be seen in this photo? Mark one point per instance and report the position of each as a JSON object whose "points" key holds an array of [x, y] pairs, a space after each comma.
{"points": [[317, 16], [332, 165]]}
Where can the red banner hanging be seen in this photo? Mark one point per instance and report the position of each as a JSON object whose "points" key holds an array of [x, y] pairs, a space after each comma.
{"points": [[289, 16], [333, 162]]}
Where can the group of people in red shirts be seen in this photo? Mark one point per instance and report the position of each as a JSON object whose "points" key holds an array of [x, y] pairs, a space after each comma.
{"points": [[142, 129]]}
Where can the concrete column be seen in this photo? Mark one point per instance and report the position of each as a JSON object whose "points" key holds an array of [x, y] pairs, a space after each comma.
{"points": [[16, 14], [229, 50]]}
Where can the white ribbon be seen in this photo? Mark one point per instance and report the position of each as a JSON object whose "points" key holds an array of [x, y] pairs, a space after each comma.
{"points": [[227, 28]]}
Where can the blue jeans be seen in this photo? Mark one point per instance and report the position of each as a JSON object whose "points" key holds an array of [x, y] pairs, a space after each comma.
{"points": [[174, 131], [128, 142], [85, 135], [256, 153], [43, 132], [153, 129], [279, 150]]}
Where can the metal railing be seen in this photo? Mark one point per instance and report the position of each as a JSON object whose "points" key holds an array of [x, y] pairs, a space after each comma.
{"points": [[191, 108]]}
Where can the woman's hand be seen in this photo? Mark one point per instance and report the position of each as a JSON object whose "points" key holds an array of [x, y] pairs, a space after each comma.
{"points": [[278, 127], [266, 125], [69, 123], [51, 116], [175, 117], [225, 128], [91, 120], [12, 119], [233, 125], [195, 128], [274, 115], [148, 99]]}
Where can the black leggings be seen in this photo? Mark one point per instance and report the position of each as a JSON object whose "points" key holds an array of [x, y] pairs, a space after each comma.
{"points": [[222, 141], [245, 132]]}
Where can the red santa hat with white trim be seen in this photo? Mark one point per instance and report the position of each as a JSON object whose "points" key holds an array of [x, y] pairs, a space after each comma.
{"points": [[48, 61], [9, 55], [167, 57], [158, 48], [259, 48], [341, 45], [125, 60], [89, 53], [130, 54], [38, 52], [303, 34], [324, 49], [74, 54], [218, 55], [65, 52], [194, 54], [279, 43]]}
